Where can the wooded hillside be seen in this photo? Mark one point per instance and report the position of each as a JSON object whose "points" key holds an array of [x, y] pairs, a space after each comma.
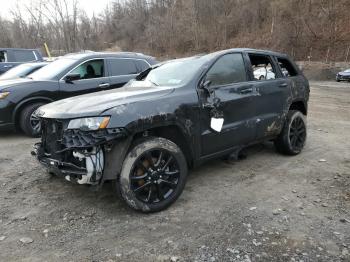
{"points": [[302, 28]]}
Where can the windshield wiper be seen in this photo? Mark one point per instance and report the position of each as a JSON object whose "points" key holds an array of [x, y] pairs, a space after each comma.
{"points": [[153, 82]]}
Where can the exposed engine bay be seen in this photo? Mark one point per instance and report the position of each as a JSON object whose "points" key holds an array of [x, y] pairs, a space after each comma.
{"points": [[77, 156], [94, 163]]}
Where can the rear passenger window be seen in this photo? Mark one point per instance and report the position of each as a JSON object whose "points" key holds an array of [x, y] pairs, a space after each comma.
{"points": [[24, 56], [227, 70], [262, 67], [3, 56], [120, 67], [142, 65], [287, 68]]}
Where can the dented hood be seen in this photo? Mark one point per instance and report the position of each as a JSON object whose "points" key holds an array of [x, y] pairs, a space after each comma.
{"points": [[95, 104]]}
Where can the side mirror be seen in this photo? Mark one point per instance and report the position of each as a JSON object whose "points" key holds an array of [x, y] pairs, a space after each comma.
{"points": [[72, 77]]}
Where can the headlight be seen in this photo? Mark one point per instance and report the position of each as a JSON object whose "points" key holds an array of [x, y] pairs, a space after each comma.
{"points": [[90, 123], [4, 94]]}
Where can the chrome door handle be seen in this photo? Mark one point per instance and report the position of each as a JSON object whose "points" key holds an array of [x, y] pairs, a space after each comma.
{"points": [[8, 66], [104, 85], [246, 90], [284, 85]]}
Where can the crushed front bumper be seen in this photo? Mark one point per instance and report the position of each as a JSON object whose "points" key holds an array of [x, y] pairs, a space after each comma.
{"points": [[76, 155], [58, 167]]}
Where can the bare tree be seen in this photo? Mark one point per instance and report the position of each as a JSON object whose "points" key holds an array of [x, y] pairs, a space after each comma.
{"points": [[181, 27]]}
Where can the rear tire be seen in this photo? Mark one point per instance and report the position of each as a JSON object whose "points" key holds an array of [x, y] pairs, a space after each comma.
{"points": [[29, 124], [153, 175], [292, 138]]}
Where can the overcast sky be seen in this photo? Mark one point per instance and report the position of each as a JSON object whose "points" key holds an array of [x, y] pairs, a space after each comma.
{"points": [[90, 6]]}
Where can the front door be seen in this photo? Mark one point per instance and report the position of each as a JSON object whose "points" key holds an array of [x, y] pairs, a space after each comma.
{"points": [[90, 77], [233, 95]]}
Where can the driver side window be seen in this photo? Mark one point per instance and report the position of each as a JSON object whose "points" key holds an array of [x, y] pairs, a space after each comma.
{"points": [[90, 69], [228, 69]]}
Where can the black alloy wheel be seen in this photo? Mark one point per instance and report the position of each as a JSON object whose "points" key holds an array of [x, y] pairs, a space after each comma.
{"points": [[293, 135], [35, 123], [297, 133], [29, 123], [155, 176]]}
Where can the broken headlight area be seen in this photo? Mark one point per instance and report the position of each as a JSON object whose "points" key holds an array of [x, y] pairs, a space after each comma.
{"points": [[77, 155], [75, 138]]}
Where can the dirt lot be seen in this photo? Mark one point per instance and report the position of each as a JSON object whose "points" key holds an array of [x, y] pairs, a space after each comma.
{"points": [[267, 207]]}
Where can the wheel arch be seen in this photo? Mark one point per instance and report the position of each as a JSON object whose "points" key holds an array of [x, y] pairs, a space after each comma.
{"points": [[299, 105], [174, 133], [25, 102]]}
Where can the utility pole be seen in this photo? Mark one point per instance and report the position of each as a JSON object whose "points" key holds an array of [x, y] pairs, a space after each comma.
{"points": [[327, 55], [347, 54]]}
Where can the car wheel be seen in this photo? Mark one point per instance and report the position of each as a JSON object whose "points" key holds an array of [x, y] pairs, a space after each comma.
{"points": [[29, 123], [153, 175], [262, 78], [292, 138], [338, 80]]}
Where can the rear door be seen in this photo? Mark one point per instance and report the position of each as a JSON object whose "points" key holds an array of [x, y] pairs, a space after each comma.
{"points": [[121, 70], [229, 84], [92, 78], [273, 91], [298, 82]]}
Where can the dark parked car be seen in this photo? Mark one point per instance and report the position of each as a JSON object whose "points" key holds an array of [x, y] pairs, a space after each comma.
{"points": [[69, 76], [12, 57], [343, 76], [22, 70], [176, 115]]}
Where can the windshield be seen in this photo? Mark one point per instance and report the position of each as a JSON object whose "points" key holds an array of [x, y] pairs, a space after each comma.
{"points": [[53, 69], [18, 71], [347, 71], [176, 72]]}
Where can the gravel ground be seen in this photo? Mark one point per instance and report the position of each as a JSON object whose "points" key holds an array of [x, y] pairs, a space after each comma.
{"points": [[266, 207]]}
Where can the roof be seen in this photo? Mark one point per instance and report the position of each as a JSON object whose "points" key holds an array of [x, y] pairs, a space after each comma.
{"points": [[90, 54], [253, 51], [36, 63], [30, 49]]}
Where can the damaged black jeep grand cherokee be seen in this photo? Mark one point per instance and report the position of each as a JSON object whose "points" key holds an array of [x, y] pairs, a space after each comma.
{"points": [[173, 116]]}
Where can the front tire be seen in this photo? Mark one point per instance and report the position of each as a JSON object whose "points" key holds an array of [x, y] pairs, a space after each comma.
{"points": [[30, 124], [292, 138], [153, 175]]}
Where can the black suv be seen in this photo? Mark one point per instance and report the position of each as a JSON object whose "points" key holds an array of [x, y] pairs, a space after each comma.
{"points": [[71, 75], [173, 116], [12, 57]]}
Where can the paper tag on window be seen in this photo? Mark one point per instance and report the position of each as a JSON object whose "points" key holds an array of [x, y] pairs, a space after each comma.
{"points": [[216, 124]]}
